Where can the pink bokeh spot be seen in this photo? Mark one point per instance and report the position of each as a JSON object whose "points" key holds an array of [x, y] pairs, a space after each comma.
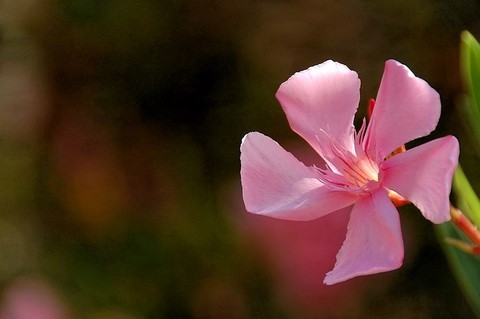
{"points": [[32, 298], [320, 104], [298, 254]]}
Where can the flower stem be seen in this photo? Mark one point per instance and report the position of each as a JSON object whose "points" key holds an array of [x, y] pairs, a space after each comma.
{"points": [[465, 225], [468, 248]]}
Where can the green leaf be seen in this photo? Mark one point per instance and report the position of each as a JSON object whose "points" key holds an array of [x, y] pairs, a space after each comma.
{"points": [[470, 73], [464, 266], [470, 64], [465, 196]]}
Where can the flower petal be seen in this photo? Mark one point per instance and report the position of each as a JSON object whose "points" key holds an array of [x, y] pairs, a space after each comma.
{"points": [[406, 108], [423, 175], [276, 184], [323, 97], [374, 241]]}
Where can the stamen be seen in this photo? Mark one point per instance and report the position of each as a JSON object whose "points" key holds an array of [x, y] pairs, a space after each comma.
{"points": [[344, 169]]}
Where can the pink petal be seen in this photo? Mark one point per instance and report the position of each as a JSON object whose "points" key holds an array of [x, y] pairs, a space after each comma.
{"points": [[276, 184], [323, 97], [374, 241], [423, 175], [406, 108]]}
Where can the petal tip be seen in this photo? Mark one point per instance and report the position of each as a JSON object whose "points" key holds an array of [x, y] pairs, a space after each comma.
{"points": [[331, 278]]}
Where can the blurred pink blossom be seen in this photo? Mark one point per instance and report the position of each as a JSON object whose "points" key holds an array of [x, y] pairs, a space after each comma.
{"points": [[28, 298], [320, 104], [298, 255]]}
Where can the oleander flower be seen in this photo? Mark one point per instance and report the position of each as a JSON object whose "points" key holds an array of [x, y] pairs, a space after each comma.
{"points": [[361, 168]]}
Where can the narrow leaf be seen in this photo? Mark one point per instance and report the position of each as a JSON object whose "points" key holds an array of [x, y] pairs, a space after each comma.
{"points": [[470, 73], [465, 266], [465, 196]]}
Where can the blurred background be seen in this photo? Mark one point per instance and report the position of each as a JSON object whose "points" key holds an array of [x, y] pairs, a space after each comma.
{"points": [[120, 127]]}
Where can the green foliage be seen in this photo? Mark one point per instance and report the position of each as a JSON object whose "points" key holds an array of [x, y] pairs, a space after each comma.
{"points": [[466, 198], [465, 266], [470, 73]]}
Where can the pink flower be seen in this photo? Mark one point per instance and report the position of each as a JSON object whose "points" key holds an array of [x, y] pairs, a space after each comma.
{"points": [[320, 104]]}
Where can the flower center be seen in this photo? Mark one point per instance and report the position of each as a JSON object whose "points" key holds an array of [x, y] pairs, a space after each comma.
{"points": [[360, 172], [348, 168], [355, 172]]}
